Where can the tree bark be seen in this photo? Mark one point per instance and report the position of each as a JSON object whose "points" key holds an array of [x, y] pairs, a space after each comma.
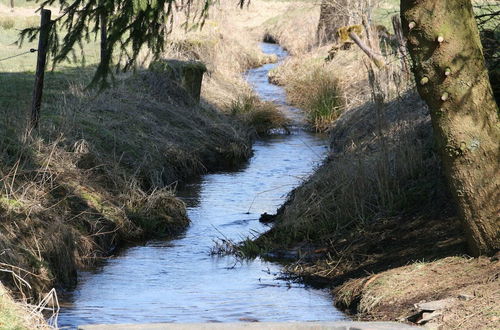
{"points": [[448, 64], [333, 14], [103, 21], [402, 49]]}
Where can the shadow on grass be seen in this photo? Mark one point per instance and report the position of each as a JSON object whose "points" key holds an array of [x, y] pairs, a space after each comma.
{"points": [[16, 88]]}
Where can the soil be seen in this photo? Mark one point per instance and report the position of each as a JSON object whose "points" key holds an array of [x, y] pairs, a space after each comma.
{"points": [[380, 273]]}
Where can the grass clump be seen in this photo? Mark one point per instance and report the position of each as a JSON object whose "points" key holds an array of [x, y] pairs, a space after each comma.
{"points": [[17, 316], [351, 191], [262, 116], [319, 94], [158, 213], [7, 23]]}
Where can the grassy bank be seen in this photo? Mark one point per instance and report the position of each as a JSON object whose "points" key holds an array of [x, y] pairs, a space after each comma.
{"points": [[375, 222], [14, 315], [102, 168]]}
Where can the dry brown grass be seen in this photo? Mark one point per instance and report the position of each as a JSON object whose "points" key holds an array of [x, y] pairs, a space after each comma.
{"points": [[381, 165], [262, 116], [318, 93], [391, 295], [294, 28], [363, 182], [228, 45], [72, 195], [18, 315], [324, 89], [103, 167]]}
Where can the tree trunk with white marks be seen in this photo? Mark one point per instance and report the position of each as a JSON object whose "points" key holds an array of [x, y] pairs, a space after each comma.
{"points": [[448, 64]]}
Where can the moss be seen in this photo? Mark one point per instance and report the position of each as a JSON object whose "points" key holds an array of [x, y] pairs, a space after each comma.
{"points": [[97, 201], [343, 32], [10, 203], [13, 315]]}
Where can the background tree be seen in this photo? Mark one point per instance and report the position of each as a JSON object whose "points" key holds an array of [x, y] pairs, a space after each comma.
{"points": [[103, 25], [448, 65], [333, 15], [488, 21], [131, 25]]}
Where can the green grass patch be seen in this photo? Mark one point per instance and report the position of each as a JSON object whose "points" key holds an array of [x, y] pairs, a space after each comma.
{"points": [[318, 93]]}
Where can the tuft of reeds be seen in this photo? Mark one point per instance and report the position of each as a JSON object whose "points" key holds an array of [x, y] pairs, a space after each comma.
{"points": [[319, 94], [262, 116], [7, 23]]}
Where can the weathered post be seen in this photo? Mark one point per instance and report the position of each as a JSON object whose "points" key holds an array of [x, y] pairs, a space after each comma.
{"points": [[43, 40], [188, 74]]}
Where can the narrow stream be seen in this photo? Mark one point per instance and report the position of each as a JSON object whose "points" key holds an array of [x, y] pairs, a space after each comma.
{"points": [[178, 281]]}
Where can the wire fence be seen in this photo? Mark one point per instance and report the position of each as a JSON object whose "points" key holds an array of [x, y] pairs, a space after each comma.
{"points": [[32, 50]]}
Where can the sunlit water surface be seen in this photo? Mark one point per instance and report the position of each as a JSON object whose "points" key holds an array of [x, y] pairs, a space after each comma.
{"points": [[178, 280]]}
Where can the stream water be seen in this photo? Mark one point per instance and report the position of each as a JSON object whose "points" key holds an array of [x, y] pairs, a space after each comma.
{"points": [[179, 281]]}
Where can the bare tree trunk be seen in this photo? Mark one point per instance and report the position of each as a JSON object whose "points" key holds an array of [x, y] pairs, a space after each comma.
{"points": [[104, 35], [402, 49], [448, 64], [333, 14]]}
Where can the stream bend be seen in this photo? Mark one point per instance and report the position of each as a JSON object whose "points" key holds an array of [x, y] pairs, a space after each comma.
{"points": [[178, 281]]}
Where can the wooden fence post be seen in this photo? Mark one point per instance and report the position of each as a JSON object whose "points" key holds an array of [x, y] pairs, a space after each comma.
{"points": [[43, 40]]}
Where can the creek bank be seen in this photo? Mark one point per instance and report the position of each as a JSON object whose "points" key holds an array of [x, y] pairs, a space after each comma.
{"points": [[103, 169], [407, 251], [375, 223], [109, 177], [180, 273], [102, 173], [103, 163]]}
